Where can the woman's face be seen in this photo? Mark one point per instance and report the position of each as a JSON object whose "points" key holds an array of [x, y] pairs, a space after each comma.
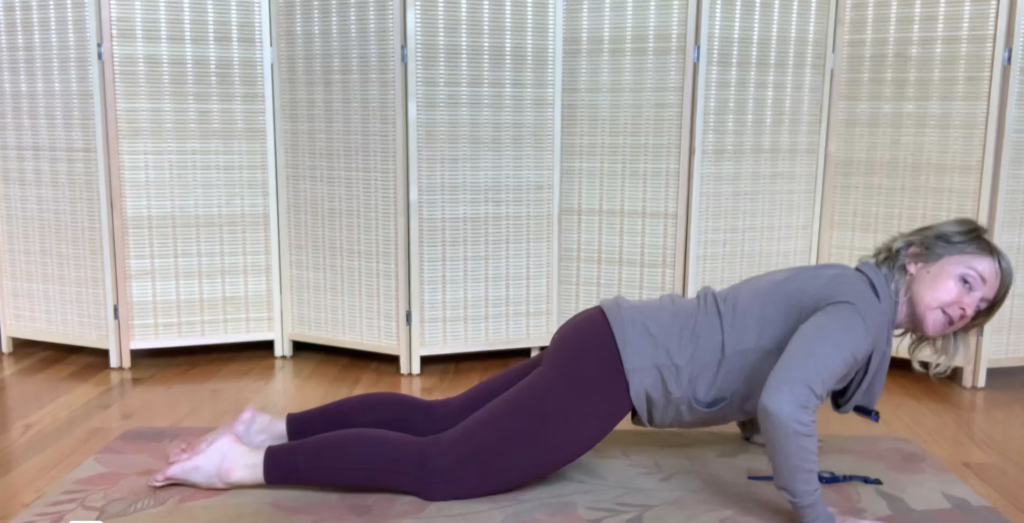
{"points": [[945, 295]]}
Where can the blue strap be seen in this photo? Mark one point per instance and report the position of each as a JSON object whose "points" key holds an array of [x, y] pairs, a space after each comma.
{"points": [[828, 478]]}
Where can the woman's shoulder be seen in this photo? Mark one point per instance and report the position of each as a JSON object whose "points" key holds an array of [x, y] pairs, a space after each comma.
{"points": [[827, 278], [808, 288]]}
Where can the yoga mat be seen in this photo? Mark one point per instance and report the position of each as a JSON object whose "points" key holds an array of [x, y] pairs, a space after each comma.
{"points": [[634, 476]]}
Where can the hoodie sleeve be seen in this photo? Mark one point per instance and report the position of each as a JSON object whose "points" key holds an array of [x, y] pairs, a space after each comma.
{"points": [[828, 346]]}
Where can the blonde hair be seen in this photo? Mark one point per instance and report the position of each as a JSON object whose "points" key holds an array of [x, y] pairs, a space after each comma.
{"points": [[930, 244]]}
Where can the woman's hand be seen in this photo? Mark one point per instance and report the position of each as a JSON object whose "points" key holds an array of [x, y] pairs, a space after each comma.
{"points": [[758, 439]]}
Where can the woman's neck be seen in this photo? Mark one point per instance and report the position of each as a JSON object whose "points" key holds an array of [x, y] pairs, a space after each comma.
{"points": [[901, 316]]}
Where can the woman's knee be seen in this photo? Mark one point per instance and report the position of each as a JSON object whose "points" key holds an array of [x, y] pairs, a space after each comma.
{"points": [[441, 476], [450, 469], [454, 485]]}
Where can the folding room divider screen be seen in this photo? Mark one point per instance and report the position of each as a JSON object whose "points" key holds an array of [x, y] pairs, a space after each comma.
{"points": [[625, 134], [482, 161], [761, 97], [909, 129], [418, 178], [189, 128], [909, 119], [341, 155], [56, 262]]}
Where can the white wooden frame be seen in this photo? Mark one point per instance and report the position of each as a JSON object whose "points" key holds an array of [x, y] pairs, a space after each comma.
{"points": [[106, 199], [280, 348], [977, 360], [114, 167], [286, 349], [688, 148], [826, 101], [556, 206], [413, 227], [696, 123], [407, 363], [823, 223]]}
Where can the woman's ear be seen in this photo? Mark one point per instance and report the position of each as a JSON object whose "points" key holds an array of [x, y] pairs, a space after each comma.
{"points": [[913, 267], [913, 264]]}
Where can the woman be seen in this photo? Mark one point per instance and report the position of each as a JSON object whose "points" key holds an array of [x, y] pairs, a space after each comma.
{"points": [[766, 353]]}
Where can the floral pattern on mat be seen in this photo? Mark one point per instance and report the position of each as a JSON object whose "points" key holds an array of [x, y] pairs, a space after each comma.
{"points": [[637, 476]]}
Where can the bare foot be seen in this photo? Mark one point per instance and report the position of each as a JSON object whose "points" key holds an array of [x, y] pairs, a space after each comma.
{"points": [[254, 428], [225, 463]]}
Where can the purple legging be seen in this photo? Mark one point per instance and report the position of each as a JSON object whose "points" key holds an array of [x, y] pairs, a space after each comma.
{"points": [[510, 430]]}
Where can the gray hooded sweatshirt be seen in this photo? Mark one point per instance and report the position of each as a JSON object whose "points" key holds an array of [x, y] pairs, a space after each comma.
{"points": [[769, 349]]}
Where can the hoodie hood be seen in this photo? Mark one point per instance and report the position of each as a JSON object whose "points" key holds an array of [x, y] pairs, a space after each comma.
{"points": [[863, 391]]}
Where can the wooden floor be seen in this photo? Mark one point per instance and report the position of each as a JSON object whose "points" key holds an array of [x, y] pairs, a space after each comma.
{"points": [[59, 405]]}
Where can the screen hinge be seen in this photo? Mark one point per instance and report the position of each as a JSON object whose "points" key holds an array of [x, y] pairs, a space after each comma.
{"points": [[408, 318], [99, 51], [696, 54], [117, 313], [405, 54], [1007, 56]]}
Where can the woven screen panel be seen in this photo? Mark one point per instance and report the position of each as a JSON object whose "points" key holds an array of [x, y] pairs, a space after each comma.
{"points": [[759, 146], [338, 62], [485, 172], [909, 115], [194, 176], [622, 118], [51, 227], [1004, 336]]}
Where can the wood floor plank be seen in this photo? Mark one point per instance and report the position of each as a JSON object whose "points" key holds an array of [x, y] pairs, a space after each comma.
{"points": [[1004, 478]]}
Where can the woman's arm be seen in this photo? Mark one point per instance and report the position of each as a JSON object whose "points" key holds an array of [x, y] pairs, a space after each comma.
{"points": [[825, 348]]}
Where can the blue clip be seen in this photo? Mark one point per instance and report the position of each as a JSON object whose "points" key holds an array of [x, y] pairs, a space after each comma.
{"points": [[828, 478], [870, 414]]}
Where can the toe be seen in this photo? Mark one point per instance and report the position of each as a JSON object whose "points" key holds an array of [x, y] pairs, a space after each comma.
{"points": [[178, 453], [171, 474], [157, 480], [244, 418]]}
